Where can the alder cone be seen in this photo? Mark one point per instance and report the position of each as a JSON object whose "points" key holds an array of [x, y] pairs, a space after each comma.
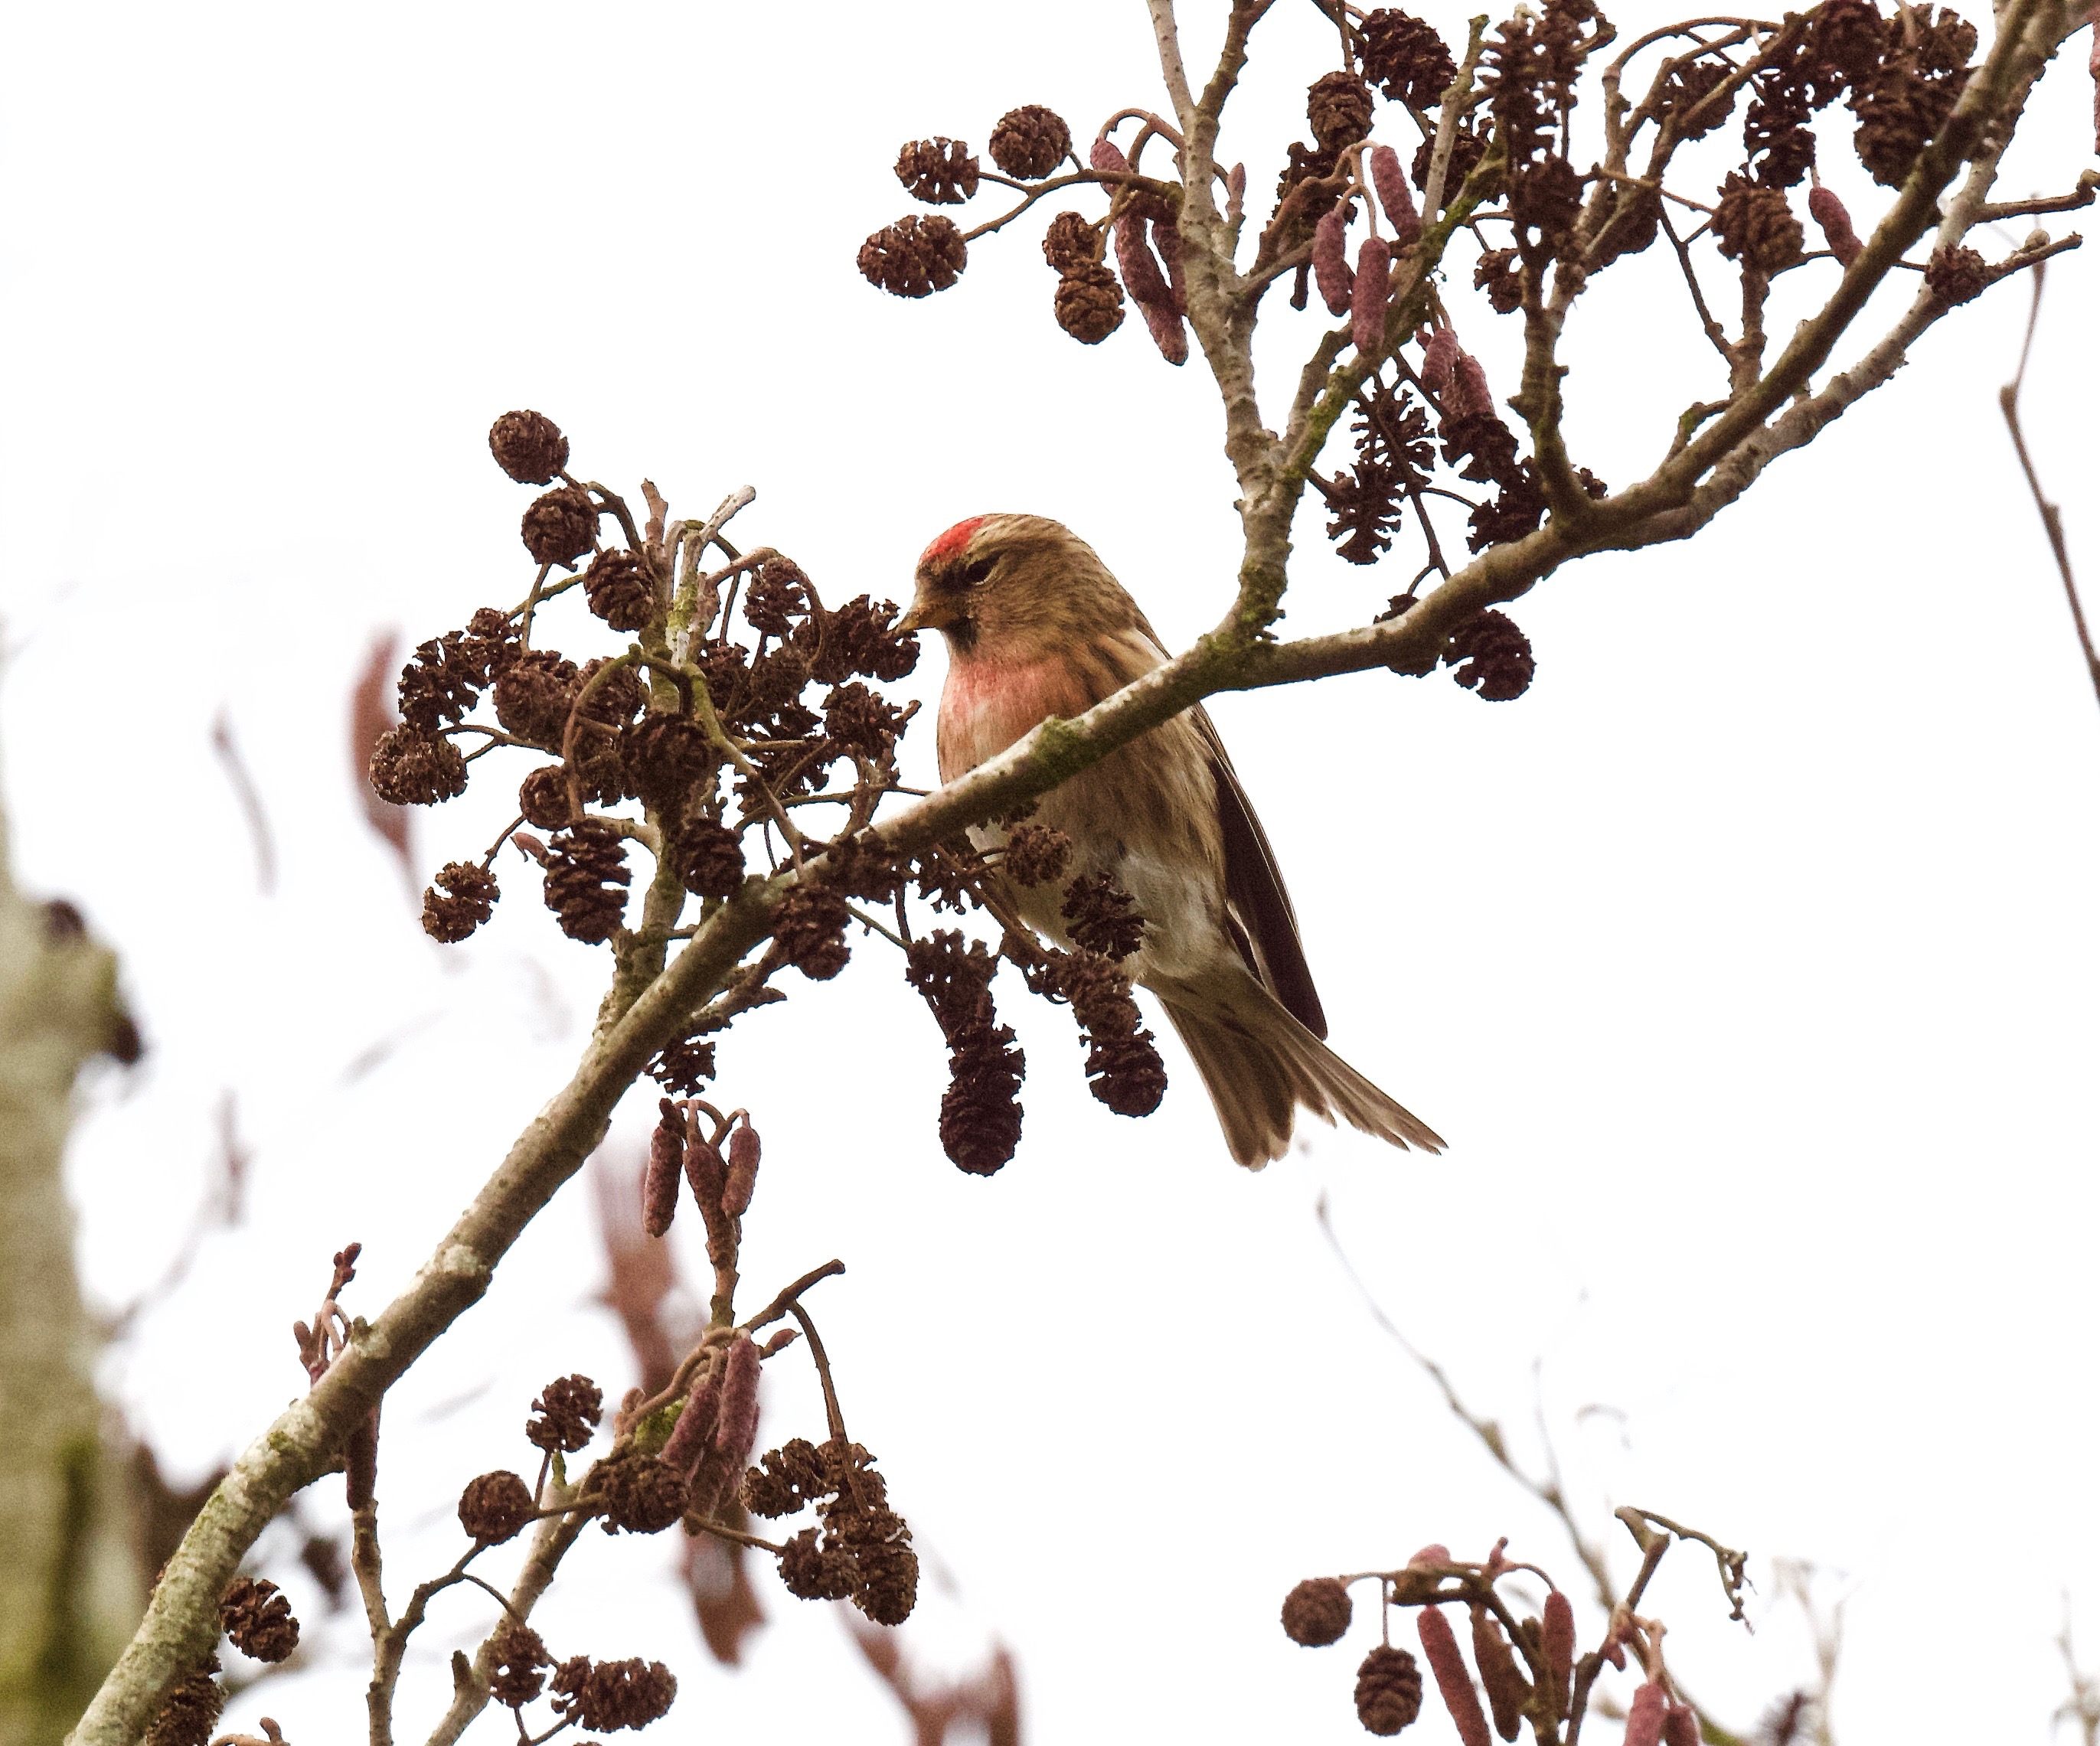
{"points": [[1030, 142], [408, 769], [939, 171], [469, 899], [1337, 108], [617, 588], [1404, 58], [1956, 274], [915, 257], [1388, 1691], [1757, 227], [1317, 1612], [1089, 302], [560, 526], [1071, 240], [529, 446]]}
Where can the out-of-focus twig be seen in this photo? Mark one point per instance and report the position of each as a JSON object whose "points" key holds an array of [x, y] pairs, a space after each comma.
{"points": [[988, 1702], [251, 801], [2052, 517], [372, 713], [2082, 1708]]}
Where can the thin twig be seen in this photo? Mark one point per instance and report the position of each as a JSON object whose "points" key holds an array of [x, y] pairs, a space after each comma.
{"points": [[2052, 518]]}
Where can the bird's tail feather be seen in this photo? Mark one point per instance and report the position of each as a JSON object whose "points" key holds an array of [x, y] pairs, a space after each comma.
{"points": [[1257, 1063]]}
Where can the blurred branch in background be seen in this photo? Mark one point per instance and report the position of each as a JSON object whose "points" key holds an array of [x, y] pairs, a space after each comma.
{"points": [[986, 1704], [372, 716], [2082, 1708], [246, 791], [70, 1586]]}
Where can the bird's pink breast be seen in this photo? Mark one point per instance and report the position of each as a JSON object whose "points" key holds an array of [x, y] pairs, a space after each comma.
{"points": [[987, 705]]}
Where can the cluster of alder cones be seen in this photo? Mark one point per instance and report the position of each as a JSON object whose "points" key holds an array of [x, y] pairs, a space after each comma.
{"points": [[740, 697], [1530, 1672], [1510, 162]]}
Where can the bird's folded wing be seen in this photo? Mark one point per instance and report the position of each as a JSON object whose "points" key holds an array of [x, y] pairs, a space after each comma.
{"points": [[1255, 896]]}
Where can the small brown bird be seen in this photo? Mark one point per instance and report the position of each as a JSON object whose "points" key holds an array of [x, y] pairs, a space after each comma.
{"points": [[1037, 627]]}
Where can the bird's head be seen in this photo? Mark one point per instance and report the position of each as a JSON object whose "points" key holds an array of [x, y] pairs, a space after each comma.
{"points": [[1001, 584]]}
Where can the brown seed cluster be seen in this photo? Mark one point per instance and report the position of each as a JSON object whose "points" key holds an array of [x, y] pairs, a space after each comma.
{"points": [[1030, 142], [258, 1620], [190, 1712], [565, 1416], [495, 1507], [861, 1551], [605, 1695]]}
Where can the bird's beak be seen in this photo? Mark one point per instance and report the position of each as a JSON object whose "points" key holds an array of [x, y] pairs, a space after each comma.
{"points": [[931, 611]]}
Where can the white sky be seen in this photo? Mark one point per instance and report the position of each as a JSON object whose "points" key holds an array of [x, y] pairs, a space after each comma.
{"points": [[1748, 961]]}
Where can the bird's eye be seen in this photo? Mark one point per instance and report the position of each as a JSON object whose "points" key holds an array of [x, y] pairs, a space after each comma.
{"points": [[974, 573]]}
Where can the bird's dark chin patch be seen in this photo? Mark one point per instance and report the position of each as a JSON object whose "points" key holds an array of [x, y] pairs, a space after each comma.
{"points": [[962, 635]]}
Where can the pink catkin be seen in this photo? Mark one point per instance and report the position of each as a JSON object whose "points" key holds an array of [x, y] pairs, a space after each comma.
{"points": [[743, 1175], [659, 1183], [1644, 1717], [1331, 262], [696, 1422], [1439, 1648], [1432, 1555], [1368, 298], [1141, 276], [1439, 357], [2093, 67], [1470, 396], [1167, 238], [736, 1427], [1166, 331], [1829, 213], [1559, 1637], [1395, 196], [1106, 155], [704, 1171], [1680, 1727]]}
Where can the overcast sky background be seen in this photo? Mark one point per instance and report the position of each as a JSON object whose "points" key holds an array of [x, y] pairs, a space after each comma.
{"points": [[1747, 961]]}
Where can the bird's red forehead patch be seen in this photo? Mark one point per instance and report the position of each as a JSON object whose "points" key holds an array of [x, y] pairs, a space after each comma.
{"points": [[953, 541]]}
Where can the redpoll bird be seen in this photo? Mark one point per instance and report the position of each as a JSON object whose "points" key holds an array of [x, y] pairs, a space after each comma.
{"points": [[1036, 627]]}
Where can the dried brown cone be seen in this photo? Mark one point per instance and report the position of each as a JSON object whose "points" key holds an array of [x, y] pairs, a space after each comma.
{"points": [[1071, 240], [619, 589], [1337, 108], [529, 446], [191, 1711], [516, 1658], [564, 1415], [543, 797], [1317, 1612], [1103, 916], [1388, 1691], [860, 723], [816, 1572], [778, 595], [1036, 854], [980, 1109], [785, 1479], [1404, 58], [684, 1067], [914, 256], [1682, 98], [442, 680], [467, 900], [810, 927], [640, 1495], [888, 1585], [1088, 302], [1490, 655], [1497, 273], [1847, 44], [860, 638], [1956, 274], [560, 526], [1902, 105], [258, 1620], [709, 859], [664, 755], [494, 1507], [1757, 225], [940, 171], [1123, 1068], [410, 769], [610, 1695], [1508, 1692], [587, 879], [532, 696], [1030, 142]]}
